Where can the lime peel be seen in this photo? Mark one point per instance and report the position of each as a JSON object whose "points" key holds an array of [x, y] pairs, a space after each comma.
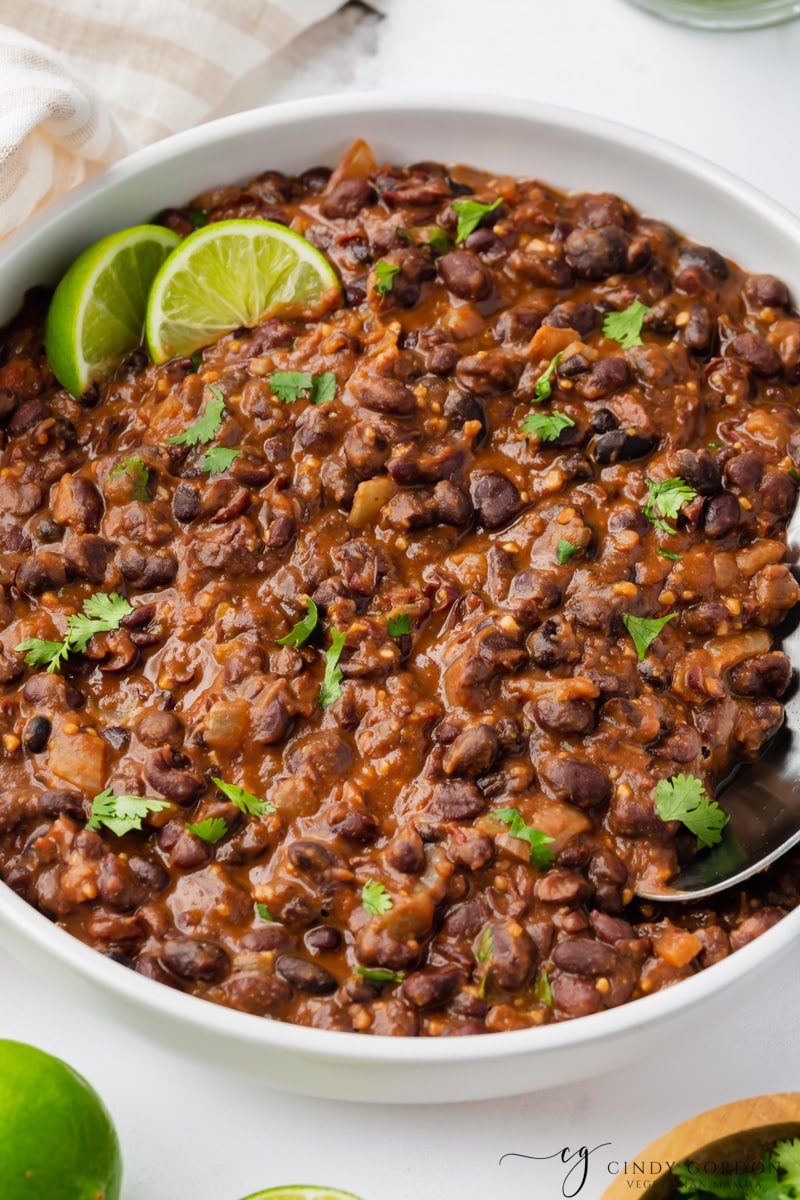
{"points": [[299, 1191], [233, 274]]}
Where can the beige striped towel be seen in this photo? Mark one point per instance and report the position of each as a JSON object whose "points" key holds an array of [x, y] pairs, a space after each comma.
{"points": [[82, 82]]}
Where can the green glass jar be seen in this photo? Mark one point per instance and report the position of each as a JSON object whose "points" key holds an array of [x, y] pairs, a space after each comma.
{"points": [[723, 14]]}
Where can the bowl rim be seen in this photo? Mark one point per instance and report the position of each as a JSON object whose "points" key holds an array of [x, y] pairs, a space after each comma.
{"points": [[243, 1028]]}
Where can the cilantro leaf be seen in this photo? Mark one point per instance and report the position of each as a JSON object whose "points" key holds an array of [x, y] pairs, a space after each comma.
{"points": [[666, 499], [565, 551], [139, 475], [121, 814], [542, 989], [245, 801], [485, 946], [626, 327], [210, 830], [264, 912], [207, 427], [101, 614], [540, 855], [380, 974], [669, 554], [301, 631], [544, 384], [289, 386], [786, 1157], [197, 217], [734, 1186], [470, 215], [794, 474], [218, 459], [331, 681], [399, 625], [683, 798], [375, 898], [197, 361], [426, 235], [323, 388], [546, 426], [384, 276], [42, 653], [644, 630]]}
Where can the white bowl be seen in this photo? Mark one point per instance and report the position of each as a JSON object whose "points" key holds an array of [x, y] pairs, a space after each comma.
{"points": [[569, 150]]}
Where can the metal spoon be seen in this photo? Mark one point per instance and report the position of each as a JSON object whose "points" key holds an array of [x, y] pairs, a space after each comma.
{"points": [[762, 799]]}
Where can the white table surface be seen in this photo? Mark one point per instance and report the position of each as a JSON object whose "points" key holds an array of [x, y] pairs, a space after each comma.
{"points": [[193, 1133]]}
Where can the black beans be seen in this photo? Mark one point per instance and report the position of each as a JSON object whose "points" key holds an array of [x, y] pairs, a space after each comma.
{"points": [[305, 976], [170, 774], [703, 256], [581, 783], [766, 291], [456, 801], [37, 734], [583, 957], [432, 986], [603, 379], [156, 729], [624, 445], [721, 515], [563, 716], [700, 470], [496, 498], [513, 954], [464, 275], [406, 852], [257, 994], [193, 958], [347, 199], [757, 353], [472, 753], [323, 938], [42, 572], [382, 394], [765, 674], [488, 373], [597, 253]]}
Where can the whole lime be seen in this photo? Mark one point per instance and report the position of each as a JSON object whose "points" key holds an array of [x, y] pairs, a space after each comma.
{"points": [[57, 1139]]}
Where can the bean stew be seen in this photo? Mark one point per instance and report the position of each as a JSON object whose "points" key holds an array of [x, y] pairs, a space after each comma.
{"points": [[369, 700]]}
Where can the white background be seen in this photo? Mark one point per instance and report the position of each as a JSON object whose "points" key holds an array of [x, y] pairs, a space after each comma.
{"points": [[192, 1133]]}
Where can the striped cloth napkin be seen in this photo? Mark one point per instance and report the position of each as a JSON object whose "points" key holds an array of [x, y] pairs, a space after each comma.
{"points": [[83, 82]]}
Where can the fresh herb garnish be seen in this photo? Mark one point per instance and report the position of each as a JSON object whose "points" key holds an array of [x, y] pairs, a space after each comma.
{"points": [[565, 551], [208, 426], [138, 474], [777, 1178], [289, 386], [644, 630], [245, 801], [301, 631], [683, 798], [331, 681], [101, 614], [485, 946], [384, 276], [540, 855], [426, 235], [544, 384], [669, 554], [380, 975], [323, 388], [470, 215], [121, 814], [794, 475], [197, 361], [400, 625], [375, 898], [666, 499], [197, 217], [626, 327], [546, 426], [218, 459], [714, 445], [264, 912], [542, 989], [210, 830]]}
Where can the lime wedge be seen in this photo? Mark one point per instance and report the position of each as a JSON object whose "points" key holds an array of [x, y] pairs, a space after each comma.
{"points": [[300, 1191], [96, 316], [231, 274]]}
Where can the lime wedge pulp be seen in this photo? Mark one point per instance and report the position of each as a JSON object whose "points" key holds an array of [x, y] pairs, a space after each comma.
{"points": [[231, 274], [301, 1191], [96, 316]]}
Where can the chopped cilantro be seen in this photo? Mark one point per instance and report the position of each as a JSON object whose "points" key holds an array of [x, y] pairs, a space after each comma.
{"points": [[542, 989], [400, 625], [101, 614], [218, 459], [323, 388], [470, 214], [485, 946], [540, 855], [245, 801], [289, 386], [301, 631], [384, 276], [138, 474], [331, 681], [210, 830], [121, 814], [197, 361], [684, 798], [546, 426], [626, 327], [565, 551], [426, 235], [669, 554], [544, 384], [375, 898], [794, 475], [380, 975], [666, 499], [207, 427], [197, 217], [42, 653], [644, 630], [264, 912]]}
